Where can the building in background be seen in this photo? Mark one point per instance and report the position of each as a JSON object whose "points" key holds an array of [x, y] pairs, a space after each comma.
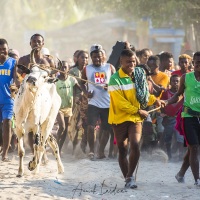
{"points": [[106, 29]]}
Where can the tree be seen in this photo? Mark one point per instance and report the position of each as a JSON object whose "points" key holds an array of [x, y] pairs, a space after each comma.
{"points": [[178, 12], [171, 13], [21, 16]]}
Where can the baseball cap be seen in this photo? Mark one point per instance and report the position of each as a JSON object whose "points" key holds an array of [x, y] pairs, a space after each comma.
{"points": [[96, 47], [45, 51]]}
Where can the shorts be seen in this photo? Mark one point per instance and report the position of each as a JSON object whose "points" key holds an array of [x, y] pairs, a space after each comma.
{"points": [[66, 111], [6, 111], [124, 130], [192, 130], [94, 114]]}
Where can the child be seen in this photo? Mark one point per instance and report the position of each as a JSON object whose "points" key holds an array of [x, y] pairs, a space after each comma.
{"points": [[65, 86], [169, 119]]}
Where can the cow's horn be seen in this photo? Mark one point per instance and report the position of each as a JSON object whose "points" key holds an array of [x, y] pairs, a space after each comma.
{"points": [[32, 57]]}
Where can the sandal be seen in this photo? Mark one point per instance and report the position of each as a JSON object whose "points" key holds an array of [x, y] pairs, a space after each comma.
{"points": [[130, 183], [6, 159]]}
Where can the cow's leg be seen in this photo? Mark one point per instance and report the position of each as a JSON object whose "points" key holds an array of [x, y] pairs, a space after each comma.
{"points": [[21, 152], [33, 164], [53, 144], [39, 149], [40, 152], [44, 157], [36, 147]]}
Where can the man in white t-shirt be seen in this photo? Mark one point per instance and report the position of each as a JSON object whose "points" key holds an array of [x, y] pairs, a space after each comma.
{"points": [[99, 100]]}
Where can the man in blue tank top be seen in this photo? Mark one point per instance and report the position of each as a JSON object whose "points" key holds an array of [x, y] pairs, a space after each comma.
{"points": [[7, 77]]}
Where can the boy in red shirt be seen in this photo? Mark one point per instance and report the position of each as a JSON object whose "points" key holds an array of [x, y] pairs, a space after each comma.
{"points": [[184, 63], [169, 119]]}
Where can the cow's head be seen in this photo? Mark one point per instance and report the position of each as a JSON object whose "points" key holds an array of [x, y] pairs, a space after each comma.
{"points": [[37, 76]]}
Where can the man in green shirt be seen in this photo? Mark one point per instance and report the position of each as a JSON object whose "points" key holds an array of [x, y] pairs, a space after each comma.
{"points": [[189, 86]]}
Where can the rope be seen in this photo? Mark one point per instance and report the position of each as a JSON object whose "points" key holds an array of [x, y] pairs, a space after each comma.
{"points": [[138, 160], [44, 68], [142, 91], [154, 109]]}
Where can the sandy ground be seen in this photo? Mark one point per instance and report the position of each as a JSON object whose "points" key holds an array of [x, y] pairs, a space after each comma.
{"points": [[100, 179]]}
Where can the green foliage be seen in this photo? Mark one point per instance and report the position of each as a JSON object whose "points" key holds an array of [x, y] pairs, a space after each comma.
{"points": [[37, 14], [161, 12], [51, 14], [19, 16]]}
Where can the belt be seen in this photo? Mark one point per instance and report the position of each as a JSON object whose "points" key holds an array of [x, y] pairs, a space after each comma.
{"points": [[191, 112]]}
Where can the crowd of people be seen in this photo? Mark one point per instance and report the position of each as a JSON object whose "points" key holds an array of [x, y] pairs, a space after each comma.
{"points": [[101, 103]]}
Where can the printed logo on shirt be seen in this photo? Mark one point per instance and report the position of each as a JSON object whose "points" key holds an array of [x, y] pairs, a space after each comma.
{"points": [[194, 100], [5, 72], [64, 87], [99, 77]]}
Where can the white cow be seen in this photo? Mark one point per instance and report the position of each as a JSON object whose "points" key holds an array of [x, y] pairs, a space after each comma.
{"points": [[36, 106]]}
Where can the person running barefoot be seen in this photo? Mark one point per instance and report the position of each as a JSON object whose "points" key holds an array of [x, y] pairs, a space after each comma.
{"points": [[189, 86], [7, 77]]}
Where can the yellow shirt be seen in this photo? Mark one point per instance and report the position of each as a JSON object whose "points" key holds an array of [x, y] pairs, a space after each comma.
{"points": [[124, 105], [161, 79]]}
